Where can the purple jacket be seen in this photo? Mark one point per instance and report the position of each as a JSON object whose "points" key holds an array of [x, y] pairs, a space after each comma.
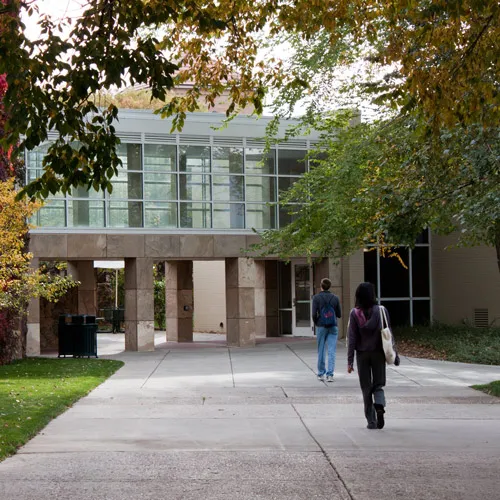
{"points": [[364, 331]]}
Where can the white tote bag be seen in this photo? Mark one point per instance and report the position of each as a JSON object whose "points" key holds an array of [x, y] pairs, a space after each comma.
{"points": [[390, 353]]}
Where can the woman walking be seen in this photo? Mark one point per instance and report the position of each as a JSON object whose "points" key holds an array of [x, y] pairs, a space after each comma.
{"points": [[364, 333]]}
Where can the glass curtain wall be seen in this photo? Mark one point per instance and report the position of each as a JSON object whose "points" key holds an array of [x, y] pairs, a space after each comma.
{"points": [[169, 186]]}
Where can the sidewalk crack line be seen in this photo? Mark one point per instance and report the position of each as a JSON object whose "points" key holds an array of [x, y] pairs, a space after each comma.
{"points": [[156, 368], [325, 454]]}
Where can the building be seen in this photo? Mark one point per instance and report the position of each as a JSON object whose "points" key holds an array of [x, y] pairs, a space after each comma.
{"points": [[195, 196]]}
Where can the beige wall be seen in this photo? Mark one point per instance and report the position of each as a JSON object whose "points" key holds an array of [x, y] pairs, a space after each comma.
{"points": [[464, 279], [209, 279]]}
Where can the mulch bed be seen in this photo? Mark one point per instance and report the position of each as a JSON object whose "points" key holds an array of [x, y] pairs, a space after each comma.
{"points": [[414, 350]]}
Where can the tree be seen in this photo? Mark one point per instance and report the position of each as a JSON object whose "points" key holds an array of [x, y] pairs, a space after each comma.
{"points": [[442, 56], [385, 182]]}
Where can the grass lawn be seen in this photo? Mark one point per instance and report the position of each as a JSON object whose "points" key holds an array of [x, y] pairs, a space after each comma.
{"points": [[453, 343], [35, 390], [493, 389]]}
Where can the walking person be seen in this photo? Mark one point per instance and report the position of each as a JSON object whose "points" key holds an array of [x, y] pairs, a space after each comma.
{"points": [[325, 311], [365, 324]]}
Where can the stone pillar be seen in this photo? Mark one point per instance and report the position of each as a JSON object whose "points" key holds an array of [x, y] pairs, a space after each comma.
{"points": [[260, 298], [179, 300], [84, 272], [139, 305], [240, 301], [33, 322], [272, 299]]}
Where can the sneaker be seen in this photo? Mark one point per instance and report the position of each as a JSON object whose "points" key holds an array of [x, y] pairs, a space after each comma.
{"points": [[329, 378], [322, 378], [371, 425], [380, 416]]}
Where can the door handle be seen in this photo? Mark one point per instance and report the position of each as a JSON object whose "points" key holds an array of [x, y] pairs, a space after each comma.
{"points": [[294, 302]]}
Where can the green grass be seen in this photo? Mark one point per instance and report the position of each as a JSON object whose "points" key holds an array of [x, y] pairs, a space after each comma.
{"points": [[493, 389], [457, 342], [35, 390]]}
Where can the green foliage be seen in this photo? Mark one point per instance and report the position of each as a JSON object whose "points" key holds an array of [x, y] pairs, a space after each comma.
{"points": [[384, 182], [159, 301], [52, 82], [493, 389], [34, 391], [460, 343]]}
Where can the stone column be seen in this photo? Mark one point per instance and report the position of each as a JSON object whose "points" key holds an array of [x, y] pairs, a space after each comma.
{"points": [[272, 299], [240, 301], [260, 298], [84, 272], [179, 300], [33, 322], [139, 305]]}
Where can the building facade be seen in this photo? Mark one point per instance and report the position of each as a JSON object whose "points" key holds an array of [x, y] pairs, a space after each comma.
{"points": [[196, 196]]}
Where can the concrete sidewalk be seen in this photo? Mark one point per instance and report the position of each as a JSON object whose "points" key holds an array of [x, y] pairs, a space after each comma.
{"points": [[207, 422]]}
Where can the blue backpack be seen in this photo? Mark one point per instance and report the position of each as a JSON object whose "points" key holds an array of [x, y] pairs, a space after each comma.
{"points": [[327, 316]]}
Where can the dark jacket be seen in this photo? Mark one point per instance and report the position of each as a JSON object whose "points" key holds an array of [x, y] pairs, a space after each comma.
{"points": [[364, 331], [320, 300]]}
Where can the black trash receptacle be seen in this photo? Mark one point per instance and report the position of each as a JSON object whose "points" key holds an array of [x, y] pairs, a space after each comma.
{"points": [[79, 336], [64, 335]]}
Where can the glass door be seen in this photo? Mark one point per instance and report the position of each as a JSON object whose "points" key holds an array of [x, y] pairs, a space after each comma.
{"points": [[302, 292]]}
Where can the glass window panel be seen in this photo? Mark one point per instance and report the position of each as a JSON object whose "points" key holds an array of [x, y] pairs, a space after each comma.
{"points": [[370, 264], [85, 213], [399, 312], [258, 162], [229, 216], [423, 237], [228, 187], [83, 192], [52, 214], [127, 186], [160, 215], [291, 162], [420, 272], [130, 155], [195, 215], [34, 158], [160, 186], [34, 174], [194, 187], [284, 183], [125, 214], [160, 157], [260, 188], [260, 216], [421, 312], [285, 217], [394, 278], [194, 159], [227, 160]]}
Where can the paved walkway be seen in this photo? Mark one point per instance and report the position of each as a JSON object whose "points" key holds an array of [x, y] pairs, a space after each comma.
{"points": [[208, 422]]}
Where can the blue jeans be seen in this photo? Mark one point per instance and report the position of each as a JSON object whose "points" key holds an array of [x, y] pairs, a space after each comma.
{"points": [[326, 335]]}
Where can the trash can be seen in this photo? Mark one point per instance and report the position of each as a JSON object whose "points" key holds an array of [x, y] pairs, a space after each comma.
{"points": [[77, 335]]}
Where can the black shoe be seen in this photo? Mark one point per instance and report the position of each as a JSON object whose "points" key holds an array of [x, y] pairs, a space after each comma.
{"points": [[371, 425], [380, 416]]}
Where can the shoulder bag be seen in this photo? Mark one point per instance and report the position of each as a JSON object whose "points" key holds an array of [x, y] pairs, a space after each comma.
{"points": [[387, 342]]}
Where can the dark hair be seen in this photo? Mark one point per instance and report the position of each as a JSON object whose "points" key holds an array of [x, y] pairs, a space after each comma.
{"points": [[326, 284], [365, 296]]}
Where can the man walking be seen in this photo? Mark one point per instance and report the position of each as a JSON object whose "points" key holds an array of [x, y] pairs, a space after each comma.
{"points": [[325, 311]]}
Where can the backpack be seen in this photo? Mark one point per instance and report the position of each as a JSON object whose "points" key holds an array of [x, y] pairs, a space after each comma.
{"points": [[327, 316]]}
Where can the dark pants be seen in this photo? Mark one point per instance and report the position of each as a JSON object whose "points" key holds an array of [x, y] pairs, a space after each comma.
{"points": [[371, 372]]}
